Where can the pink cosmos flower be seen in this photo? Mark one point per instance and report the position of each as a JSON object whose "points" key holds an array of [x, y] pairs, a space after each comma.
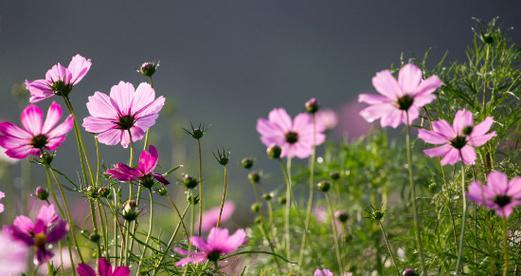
{"points": [[2, 195], [295, 137], [48, 228], [326, 119], [459, 140], [37, 134], [59, 80], [144, 173], [13, 256], [499, 194], [125, 115], [104, 268], [322, 272], [219, 243], [211, 216], [399, 97]]}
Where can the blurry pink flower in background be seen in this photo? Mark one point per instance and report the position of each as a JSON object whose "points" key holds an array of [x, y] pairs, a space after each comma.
{"points": [[59, 80], [498, 194], [459, 140], [37, 134], [218, 243], [352, 126], [399, 98], [294, 136], [326, 119], [322, 216], [124, 115], [2, 195], [13, 255], [322, 272], [104, 268], [211, 216]]}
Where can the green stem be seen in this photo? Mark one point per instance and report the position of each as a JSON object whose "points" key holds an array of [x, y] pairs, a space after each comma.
{"points": [[270, 243], [200, 186], [463, 219], [335, 234], [506, 259], [389, 248], [413, 195], [288, 209], [223, 199], [150, 224]]}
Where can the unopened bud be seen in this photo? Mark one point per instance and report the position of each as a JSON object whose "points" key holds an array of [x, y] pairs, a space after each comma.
{"points": [[273, 152], [247, 163], [312, 105], [323, 186]]}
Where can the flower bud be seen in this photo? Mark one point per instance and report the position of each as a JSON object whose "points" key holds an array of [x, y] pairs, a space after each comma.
{"points": [[258, 220], [487, 38], [273, 152], [409, 272], [282, 200], [41, 193], [247, 163], [334, 175], [104, 192], [222, 157], [341, 216], [191, 198], [148, 69], [130, 210], [162, 191], [196, 132], [46, 158], [346, 237], [378, 215], [92, 192], [323, 186], [312, 105], [255, 207], [254, 177], [267, 196], [94, 237], [190, 182]]}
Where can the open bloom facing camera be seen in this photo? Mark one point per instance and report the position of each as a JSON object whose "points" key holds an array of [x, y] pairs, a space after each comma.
{"points": [[37, 134], [59, 80], [400, 98], [125, 115]]}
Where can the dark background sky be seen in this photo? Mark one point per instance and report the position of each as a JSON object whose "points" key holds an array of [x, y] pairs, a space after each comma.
{"points": [[229, 62]]}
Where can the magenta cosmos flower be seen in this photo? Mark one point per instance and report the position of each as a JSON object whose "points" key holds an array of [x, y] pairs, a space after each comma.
{"points": [[211, 216], [125, 115], [37, 134], [459, 140], [219, 243], [295, 137], [322, 272], [144, 173], [499, 194], [104, 269], [59, 80], [399, 97], [48, 229]]}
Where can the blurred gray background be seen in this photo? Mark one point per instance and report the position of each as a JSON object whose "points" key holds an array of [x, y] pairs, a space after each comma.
{"points": [[226, 63]]}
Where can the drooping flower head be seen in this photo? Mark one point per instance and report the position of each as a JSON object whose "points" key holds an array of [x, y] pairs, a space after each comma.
{"points": [[125, 115], [48, 228], [322, 272], [498, 194], [143, 173], [294, 136], [104, 269], [37, 134], [219, 243], [59, 80], [399, 98], [13, 256], [457, 142], [211, 216]]}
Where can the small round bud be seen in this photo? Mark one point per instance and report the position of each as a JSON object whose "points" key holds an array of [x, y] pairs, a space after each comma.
{"points": [[191, 198], [282, 200], [148, 69], [487, 38], [312, 105], [258, 220], [341, 216], [432, 187], [267, 196], [247, 163], [334, 175], [104, 192], [409, 272], [346, 237], [378, 215], [162, 191], [254, 177], [46, 158], [255, 207], [41, 193], [94, 237], [130, 210], [273, 152], [323, 186], [190, 182], [92, 192], [197, 133]]}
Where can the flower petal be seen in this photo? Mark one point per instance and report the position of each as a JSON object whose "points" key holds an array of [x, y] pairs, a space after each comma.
{"points": [[85, 270], [431, 137], [279, 117], [101, 105], [78, 68], [498, 181], [122, 95], [409, 78], [54, 114], [386, 84], [32, 119], [462, 119]]}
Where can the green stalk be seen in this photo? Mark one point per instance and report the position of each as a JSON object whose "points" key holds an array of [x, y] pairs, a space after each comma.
{"points": [[150, 224], [311, 195], [505, 248], [389, 248], [288, 209], [413, 195], [225, 188], [335, 234], [200, 186], [463, 219]]}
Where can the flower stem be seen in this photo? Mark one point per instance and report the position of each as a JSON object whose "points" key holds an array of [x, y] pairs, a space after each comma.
{"points": [[389, 247], [150, 224], [505, 248], [335, 234], [223, 199], [288, 209], [417, 229], [200, 186], [310, 197], [463, 219]]}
